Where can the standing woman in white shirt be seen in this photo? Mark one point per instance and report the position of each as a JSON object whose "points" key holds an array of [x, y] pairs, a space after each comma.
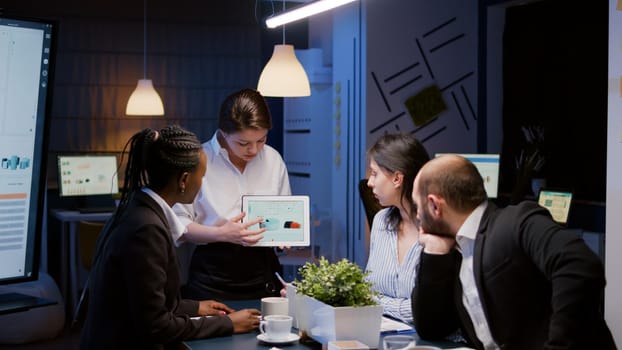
{"points": [[240, 162], [394, 161]]}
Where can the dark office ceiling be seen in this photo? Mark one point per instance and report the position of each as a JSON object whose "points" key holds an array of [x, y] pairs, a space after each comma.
{"points": [[224, 12]]}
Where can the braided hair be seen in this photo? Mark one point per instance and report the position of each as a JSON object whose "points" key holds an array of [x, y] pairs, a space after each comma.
{"points": [[154, 158], [157, 156]]}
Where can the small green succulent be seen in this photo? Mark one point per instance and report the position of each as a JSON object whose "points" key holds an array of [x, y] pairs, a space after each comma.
{"points": [[337, 284]]}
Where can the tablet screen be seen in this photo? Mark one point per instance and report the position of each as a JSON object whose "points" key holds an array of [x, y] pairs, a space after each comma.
{"points": [[285, 218]]}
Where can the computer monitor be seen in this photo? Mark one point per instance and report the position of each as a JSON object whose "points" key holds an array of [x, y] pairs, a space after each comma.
{"points": [[87, 175], [26, 67], [488, 167], [558, 202]]}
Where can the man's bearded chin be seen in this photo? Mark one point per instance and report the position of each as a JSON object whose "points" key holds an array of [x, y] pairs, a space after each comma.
{"points": [[435, 227]]}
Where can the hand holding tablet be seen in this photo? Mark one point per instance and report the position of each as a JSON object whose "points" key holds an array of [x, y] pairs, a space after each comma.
{"points": [[285, 218]]}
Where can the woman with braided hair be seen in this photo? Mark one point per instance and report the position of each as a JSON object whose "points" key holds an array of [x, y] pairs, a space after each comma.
{"points": [[134, 283]]}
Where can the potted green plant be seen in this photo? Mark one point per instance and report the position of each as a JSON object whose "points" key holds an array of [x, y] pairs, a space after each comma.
{"points": [[334, 301]]}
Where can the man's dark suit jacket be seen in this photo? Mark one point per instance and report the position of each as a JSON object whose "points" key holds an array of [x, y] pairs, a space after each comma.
{"points": [[134, 287], [540, 285]]}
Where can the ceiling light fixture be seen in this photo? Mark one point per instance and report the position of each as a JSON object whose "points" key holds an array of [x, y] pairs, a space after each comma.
{"points": [[145, 99], [304, 11], [283, 75]]}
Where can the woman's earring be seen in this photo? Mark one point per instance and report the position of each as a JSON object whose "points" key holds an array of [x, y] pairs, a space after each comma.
{"points": [[182, 190]]}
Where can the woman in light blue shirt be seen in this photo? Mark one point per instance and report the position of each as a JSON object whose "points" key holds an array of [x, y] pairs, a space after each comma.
{"points": [[394, 161]]}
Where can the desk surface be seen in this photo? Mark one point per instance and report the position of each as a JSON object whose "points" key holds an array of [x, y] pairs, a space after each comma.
{"points": [[74, 215], [249, 340], [16, 302]]}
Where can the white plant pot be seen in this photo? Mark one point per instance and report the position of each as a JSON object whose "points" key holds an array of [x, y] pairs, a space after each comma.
{"points": [[326, 323], [292, 303]]}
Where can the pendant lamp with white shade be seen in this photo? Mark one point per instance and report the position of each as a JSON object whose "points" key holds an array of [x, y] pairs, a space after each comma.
{"points": [[283, 75], [145, 99]]}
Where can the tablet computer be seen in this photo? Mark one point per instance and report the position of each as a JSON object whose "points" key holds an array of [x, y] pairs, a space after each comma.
{"points": [[285, 218]]}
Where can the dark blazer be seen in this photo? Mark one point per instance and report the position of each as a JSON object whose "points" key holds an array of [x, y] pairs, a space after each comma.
{"points": [[541, 286], [134, 287]]}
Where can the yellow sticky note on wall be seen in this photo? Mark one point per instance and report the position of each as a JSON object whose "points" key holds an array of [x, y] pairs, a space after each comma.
{"points": [[619, 5]]}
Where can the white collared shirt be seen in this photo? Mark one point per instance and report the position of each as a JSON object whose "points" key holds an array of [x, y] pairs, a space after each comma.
{"points": [[470, 296], [175, 225], [220, 197]]}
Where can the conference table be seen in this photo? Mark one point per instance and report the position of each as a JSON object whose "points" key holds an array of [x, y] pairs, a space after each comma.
{"points": [[249, 340]]}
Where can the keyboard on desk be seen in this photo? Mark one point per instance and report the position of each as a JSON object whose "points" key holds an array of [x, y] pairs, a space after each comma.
{"points": [[94, 210]]}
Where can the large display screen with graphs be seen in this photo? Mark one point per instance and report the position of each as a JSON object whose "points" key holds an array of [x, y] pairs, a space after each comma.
{"points": [[26, 57]]}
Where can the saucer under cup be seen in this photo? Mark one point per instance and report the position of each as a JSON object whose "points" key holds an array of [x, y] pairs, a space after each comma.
{"points": [[292, 337]]}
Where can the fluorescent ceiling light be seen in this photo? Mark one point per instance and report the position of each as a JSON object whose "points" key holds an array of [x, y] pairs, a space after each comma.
{"points": [[304, 11]]}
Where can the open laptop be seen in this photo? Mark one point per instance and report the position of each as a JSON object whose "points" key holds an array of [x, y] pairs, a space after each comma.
{"points": [[558, 202]]}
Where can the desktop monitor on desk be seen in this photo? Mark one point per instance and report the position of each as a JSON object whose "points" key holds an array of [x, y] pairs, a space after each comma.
{"points": [[83, 176], [488, 167]]}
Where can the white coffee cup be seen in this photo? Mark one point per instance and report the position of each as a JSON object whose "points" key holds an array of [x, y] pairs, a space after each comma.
{"points": [[274, 306], [276, 327]]}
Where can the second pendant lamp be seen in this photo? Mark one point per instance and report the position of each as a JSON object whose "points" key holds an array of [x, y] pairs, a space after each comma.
{"points": [[283, 75], [145, 99]]}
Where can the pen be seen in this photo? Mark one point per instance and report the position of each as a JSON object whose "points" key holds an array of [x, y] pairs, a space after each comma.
{"points": [[280, 278]]}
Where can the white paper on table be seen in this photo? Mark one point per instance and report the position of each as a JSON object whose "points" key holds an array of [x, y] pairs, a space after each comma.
{"points": [[390, 325]]}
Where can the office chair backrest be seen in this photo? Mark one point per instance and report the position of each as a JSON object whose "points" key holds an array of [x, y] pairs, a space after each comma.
{"points": [[88, 232], [370, 203]]}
